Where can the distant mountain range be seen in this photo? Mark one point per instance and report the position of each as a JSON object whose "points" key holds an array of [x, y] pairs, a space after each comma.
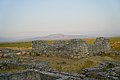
{"points": [[49, 37], [58, 37]]}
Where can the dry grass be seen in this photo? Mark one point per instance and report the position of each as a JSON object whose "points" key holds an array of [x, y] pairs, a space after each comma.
{"points": [[65, 64], [90, 40], [76, 65], [115, 43], [18, 48], [11, 68], [17, 45]]}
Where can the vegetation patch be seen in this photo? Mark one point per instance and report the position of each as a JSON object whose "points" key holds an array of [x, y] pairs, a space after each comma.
{"points": [[9, 68], [74, 65], [107, 67], [16, 45]]}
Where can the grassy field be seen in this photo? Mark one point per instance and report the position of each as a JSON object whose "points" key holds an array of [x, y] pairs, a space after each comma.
{"points": [[76, 65], [68, 65], [17, 45]]}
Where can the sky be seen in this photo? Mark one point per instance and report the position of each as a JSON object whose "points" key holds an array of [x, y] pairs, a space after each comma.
{"points": [[30, 18]]}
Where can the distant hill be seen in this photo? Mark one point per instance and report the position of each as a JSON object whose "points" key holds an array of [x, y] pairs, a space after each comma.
{"points": [[49, 37], [59, 37]]}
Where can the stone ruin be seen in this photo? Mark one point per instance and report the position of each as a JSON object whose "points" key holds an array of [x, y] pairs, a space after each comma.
{"points": [[101, 45], [74, 48]]}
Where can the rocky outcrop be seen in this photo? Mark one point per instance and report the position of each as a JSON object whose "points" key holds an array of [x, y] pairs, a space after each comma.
{"points": [[27, 75], [105, 71], [75, 48]]}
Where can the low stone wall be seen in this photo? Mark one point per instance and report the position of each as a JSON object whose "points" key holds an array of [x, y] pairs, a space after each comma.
{"points": [[75, 48]]}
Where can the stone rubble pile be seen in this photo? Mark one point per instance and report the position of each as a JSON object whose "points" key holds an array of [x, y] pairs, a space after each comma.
{"points": [[11, 53], [105, 71], [27, 75]]}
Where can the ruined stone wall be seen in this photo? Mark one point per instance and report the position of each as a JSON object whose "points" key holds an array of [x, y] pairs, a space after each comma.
{"points": [[75, 48], [101, 45]]}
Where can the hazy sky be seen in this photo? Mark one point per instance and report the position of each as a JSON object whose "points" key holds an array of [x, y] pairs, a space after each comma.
{"points": [[22, 18]]}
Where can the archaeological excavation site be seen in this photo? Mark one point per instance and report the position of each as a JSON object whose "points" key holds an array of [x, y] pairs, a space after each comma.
{"points": [[59, 39], [72, 59]]}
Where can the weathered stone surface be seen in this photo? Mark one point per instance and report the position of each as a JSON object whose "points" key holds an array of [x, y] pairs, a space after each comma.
{"points": [[105, 71], [75, 48], [27, 75]]}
